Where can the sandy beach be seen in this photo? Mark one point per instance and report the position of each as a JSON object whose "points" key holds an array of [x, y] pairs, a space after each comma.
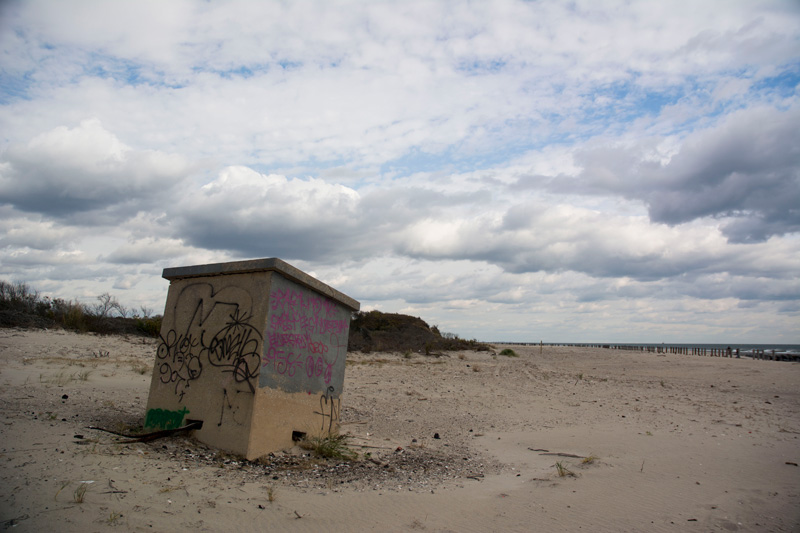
{"points": [[557, 439]]}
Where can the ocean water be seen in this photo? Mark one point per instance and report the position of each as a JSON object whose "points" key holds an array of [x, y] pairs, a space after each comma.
{"points": [[743, 348]]}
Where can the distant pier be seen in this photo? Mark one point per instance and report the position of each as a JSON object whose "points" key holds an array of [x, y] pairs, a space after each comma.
{"points": [[755, 353]]}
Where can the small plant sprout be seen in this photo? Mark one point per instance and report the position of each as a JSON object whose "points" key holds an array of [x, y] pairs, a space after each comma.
{"points": [[563, 471], [80, 492], [589, 460], [63, 486]]}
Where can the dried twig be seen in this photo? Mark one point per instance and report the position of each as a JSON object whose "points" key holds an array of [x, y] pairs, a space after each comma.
{"points": [[564, 455]]}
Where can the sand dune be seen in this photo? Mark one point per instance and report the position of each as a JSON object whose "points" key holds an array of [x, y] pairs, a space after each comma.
{"points": [[647, 443]]}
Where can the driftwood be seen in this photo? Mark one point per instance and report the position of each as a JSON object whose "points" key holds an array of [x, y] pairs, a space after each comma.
{"points": [[547, 452], [147, 437]]}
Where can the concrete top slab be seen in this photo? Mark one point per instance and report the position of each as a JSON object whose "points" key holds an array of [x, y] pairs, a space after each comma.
{"points": [[262, 265]]}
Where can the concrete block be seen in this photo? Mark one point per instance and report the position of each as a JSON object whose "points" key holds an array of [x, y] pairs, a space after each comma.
{"points": [[255, 350]]}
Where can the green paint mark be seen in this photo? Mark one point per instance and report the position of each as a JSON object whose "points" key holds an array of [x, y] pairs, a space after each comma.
{"points": [[164, 418]]}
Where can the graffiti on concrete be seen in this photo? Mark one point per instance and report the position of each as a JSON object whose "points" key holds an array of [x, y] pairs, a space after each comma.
{"points": [[305, 341], [235, 349], [164, 418], [232, 408], [179, 362], [216, 332], [329, 404]]}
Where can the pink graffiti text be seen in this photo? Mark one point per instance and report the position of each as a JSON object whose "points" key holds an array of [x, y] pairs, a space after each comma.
{"points": [[291, 300], [288, 362], [311, 325]]}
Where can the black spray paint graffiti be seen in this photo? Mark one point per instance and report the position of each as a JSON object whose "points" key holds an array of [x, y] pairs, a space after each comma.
{"points": [[329, 409], [235, 347], [180, 364], [226, 404]]}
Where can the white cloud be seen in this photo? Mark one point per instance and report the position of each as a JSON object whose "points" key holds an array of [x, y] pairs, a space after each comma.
{"points": [[501, 168], [248, 213], [745, 166], [38, 235], [66, 171], [148, 250]]}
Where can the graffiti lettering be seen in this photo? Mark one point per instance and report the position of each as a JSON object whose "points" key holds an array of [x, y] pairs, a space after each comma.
{"points": [[227, 404], [295, 340], [329, 409], [235, 348], [179, 364], [217, 334], [286, 363], [309, 325], [317, 347], [291, 300], [304, 353], [301, 344]]}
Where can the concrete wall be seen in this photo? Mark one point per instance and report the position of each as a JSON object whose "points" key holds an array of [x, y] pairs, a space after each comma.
{"points": [[254, 349]]}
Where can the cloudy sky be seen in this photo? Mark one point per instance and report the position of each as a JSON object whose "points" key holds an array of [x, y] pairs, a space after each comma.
{"points": [[546, 170]]}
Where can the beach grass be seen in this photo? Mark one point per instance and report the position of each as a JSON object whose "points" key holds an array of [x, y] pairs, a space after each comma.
{"points": [[330, 447]]}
